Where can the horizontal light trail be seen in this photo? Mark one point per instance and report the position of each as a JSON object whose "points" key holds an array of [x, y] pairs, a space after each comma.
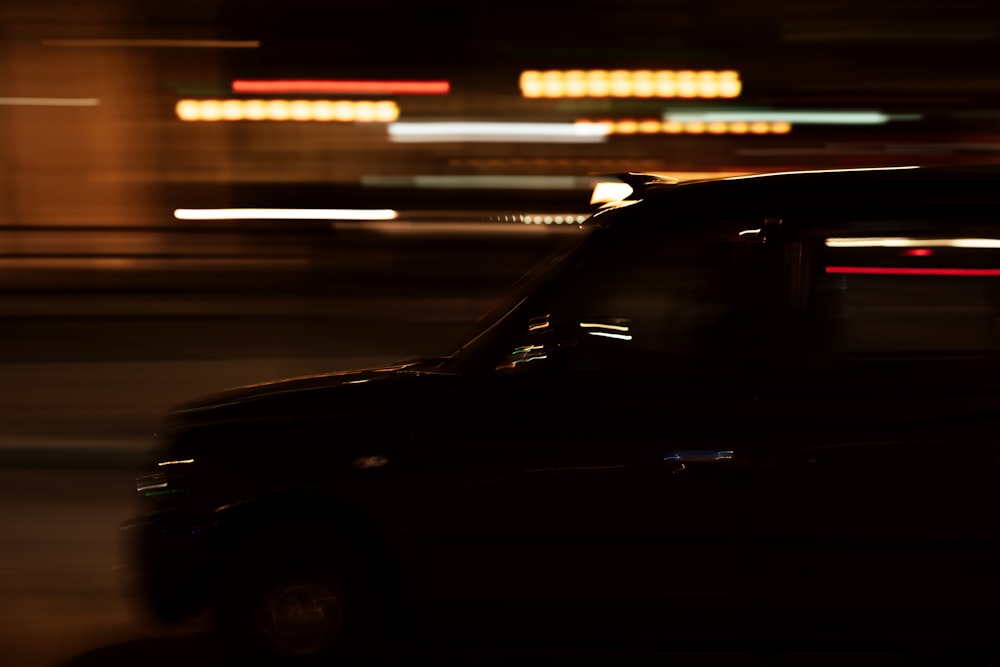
{"points": [[154, 43], [497, 132], [795, 117], [905, 242], [340, 87], [697, 126], [910, 271], [284, 214], [481, 181], [233, 110], [50, 101], [630, 83]]}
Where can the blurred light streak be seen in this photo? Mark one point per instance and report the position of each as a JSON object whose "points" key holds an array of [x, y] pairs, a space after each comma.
{"points": [[910, 271], [552, 219], [481, 181], [430, 132], [798, 117], [343, 111], [630, 83], [693, 126], [284, 214], [154, 43], [322, 86], [513, 224], [905, 242], [607, 330], [50, 101]]}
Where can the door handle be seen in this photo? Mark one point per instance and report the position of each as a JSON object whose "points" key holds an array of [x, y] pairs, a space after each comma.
{"points": [[700, 456]]}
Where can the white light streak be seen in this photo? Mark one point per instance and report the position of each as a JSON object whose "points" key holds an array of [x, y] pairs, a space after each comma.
{"points": [[608, 334], [616, 331], [497, 132], [796, 117], [284, 214], [905, 242], [173, 463]]}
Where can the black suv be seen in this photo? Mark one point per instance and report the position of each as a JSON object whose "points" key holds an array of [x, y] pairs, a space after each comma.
{"points": [[731, 409]]}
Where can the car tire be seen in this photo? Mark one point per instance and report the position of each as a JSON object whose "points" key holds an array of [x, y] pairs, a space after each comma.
{"points": [[298, 595]]}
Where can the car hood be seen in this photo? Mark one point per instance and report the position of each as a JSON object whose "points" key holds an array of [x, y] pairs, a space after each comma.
{"points": [[344, 392]]}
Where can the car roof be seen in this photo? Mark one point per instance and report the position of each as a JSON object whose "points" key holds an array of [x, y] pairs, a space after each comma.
{"points": [[902, 190]]}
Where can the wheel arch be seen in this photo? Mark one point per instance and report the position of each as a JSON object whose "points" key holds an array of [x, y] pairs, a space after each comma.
{"points": [[313, 520]]}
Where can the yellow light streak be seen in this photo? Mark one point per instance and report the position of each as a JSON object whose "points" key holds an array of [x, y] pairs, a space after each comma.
{"points": [[346, 111], [630, 83], [630, 126]]}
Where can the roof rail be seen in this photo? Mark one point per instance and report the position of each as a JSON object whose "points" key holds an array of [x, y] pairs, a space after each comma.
{"points": [[638, 179]]}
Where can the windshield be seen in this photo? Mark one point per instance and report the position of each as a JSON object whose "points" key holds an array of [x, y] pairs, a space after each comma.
{"points": [[484, 330]]}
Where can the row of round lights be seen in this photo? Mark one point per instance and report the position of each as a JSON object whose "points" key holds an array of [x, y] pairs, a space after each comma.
{"points": [[654, 126], [552, 219], [345, 111], [631, 83]]}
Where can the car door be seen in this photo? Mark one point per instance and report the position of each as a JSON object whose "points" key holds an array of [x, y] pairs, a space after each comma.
{"points": [[600, 490], [876, 462]]}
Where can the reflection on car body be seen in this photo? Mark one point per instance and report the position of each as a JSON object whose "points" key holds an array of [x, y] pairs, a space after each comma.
{"points": [[730, 408]]}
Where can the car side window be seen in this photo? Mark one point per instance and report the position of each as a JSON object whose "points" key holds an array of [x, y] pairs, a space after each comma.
{"points": [[914, 301], [653, 301]]}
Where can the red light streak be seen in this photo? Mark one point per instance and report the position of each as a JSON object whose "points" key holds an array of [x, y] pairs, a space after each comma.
{"points": [[911, 271], [917, 252], [335, 87]]}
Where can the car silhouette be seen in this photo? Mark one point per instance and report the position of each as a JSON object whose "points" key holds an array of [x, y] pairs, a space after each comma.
{"points": [[729, 410]]}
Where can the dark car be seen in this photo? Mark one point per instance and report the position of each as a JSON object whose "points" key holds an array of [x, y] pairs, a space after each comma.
{"points": [[734, 409]]}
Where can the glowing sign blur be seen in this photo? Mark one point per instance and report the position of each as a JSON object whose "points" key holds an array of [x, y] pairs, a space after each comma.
{"points": [[284, 214], [339, 87], [630, 83], [344, 111]]}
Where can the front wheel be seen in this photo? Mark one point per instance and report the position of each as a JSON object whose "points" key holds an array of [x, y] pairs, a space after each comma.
{"points": [[318, 605]]}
